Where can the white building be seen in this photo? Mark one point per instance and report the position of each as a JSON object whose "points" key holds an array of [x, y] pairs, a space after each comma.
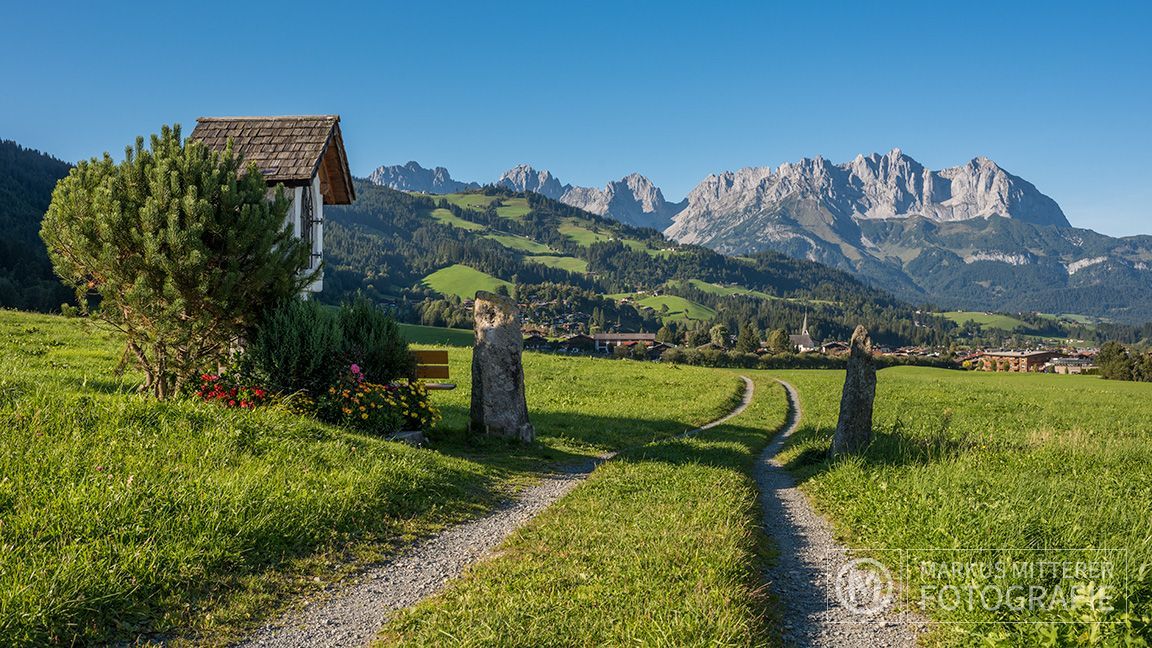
{"points": [[303, 153]]}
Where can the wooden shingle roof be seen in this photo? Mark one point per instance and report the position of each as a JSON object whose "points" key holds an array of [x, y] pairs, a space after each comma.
{"points": [[288, 150]]}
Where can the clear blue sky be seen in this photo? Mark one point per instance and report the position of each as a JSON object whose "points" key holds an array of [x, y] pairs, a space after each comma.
{"points": [[1058, 93]]}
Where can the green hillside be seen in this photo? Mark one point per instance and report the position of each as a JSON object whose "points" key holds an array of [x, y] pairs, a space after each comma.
{"points": [[436, 335], [571, 264], [989, 320], [520, 243], [448, 218], [678, 308], [726, 291], [405, 250], [463, 281]]}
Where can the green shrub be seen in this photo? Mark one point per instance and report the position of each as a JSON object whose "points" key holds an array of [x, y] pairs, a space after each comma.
{"points": [[297, 346], [372, 340]]}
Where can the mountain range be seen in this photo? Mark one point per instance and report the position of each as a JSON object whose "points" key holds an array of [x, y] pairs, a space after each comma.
{"points": [[632, 200], [971, 237]]}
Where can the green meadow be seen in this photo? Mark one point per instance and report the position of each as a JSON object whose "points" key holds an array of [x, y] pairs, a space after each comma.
{"points": [[124, 518], [973, 467], [582, 235], [436, 335], [463, 281], [987, 320], [520, 243], [514, 208], [678, 308], [727, 291], [571, 264], [448, 218]]}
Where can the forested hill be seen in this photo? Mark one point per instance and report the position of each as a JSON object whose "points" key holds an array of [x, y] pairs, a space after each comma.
{"points": [[425, 254], [27, 178]]}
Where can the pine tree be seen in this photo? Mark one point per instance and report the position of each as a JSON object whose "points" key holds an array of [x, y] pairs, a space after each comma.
{"points": [[180, 245]]}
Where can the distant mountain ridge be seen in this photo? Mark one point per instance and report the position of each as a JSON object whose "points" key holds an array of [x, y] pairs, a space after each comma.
{"points": [[413, 177], [632, 200]]}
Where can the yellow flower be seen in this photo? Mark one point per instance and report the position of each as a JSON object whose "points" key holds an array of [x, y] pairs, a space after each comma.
{"points": [[363, 416]]}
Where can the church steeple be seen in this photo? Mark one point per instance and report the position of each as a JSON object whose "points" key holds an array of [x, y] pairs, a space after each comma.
{"points": [[804, 328]]}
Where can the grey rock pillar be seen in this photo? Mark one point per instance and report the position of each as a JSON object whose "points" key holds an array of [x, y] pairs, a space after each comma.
{"points": [[854, 429], [498, 404]]}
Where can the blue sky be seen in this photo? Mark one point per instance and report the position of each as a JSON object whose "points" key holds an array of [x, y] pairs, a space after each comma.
{"points": [[1058, 93]]}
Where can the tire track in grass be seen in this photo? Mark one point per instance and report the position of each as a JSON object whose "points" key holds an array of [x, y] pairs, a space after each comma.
{"points": [[810, 562], [354, 613]]}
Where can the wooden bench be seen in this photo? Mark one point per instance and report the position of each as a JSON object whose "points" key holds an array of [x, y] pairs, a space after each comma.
{"points": [[432, 365]]}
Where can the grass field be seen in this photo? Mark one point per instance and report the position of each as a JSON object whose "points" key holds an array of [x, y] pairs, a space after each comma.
{"points": [[678, 307], [520, 243], [474, 201], [436, 335], [981, 468], [582, 235], [510, 208], [571, 264], [659, 547], [514, 208], [987, 320], [121, 517], [462, 281], [726, 291], [448, 218]]}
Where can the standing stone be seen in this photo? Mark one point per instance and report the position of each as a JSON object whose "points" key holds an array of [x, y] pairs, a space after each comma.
{"points": [[498, 404], [854, 430]]}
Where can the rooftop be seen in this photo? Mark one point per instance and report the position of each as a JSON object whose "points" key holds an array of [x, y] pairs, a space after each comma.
{"points": [[612, 337], [288, 150]]}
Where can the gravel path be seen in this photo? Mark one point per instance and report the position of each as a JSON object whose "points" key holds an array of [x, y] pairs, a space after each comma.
{"points": [[352, 615], [812, 568]]}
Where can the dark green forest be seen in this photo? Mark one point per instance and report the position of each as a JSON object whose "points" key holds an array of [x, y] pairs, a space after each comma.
{"points": [[27, 178]]}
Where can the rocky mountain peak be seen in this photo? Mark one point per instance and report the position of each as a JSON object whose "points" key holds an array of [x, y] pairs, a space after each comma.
{"points": [[413, 177], [632, 199], [874, 186], [523, 177]]}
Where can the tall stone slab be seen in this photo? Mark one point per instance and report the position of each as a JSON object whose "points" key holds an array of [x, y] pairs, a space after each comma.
{"points": [[854, 429], [498, 404]]}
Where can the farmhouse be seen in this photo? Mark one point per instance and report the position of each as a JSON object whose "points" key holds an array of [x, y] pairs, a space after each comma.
{"points": [[1017, 361], [607, 342], [578, 343], [305, 154]]}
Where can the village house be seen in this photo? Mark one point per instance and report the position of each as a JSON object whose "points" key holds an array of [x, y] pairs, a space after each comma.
{"points": [[1072, 366], [537, 342], [578, 343], [835, 348], [305, 154], [1017, 361], [607, 342]]}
